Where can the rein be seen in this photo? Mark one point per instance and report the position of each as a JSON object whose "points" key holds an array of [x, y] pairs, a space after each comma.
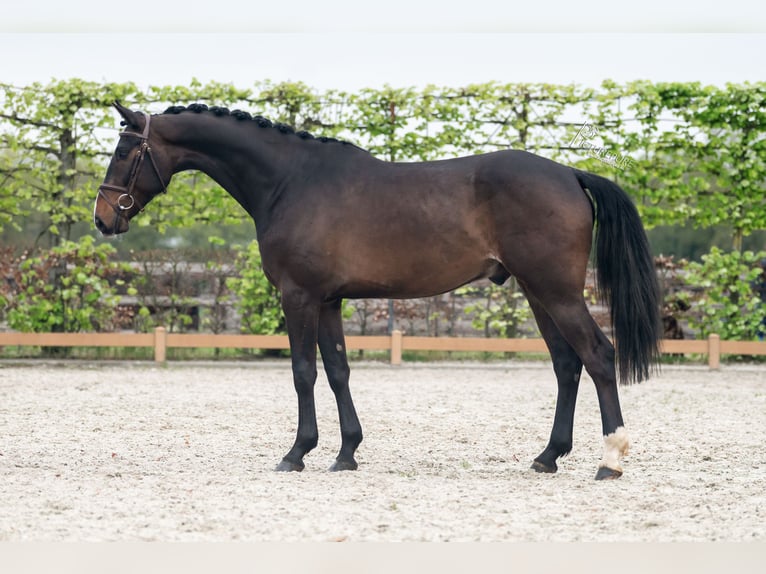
{"points": [[126, 201]]}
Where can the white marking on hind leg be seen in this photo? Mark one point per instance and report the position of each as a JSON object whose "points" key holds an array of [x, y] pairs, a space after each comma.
{"points": [[615, 447]]}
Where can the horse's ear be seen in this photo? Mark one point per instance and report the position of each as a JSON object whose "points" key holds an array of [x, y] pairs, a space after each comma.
{"points": [[131, 118]]}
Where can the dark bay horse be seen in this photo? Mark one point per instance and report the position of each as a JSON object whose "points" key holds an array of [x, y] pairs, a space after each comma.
{"points": [[334, 222]]}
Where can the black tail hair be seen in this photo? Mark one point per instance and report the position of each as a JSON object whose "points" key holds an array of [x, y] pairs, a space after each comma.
{"points": [[627, 279]]}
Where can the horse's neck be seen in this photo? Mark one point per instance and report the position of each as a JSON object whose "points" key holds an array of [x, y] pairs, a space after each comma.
{"points": [[242, 160]]}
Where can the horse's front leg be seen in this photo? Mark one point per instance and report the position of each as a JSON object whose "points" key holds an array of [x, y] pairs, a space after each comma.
{"points": [[302, 317], [332, 345]]}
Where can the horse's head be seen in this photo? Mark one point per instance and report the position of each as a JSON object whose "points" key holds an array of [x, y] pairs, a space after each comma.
{"points": [[133, 177]]}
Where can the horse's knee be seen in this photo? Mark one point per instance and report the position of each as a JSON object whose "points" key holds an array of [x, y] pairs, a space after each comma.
{"points": [[338, 376], [304, 374]]}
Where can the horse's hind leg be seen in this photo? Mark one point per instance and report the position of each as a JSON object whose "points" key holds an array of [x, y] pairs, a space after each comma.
{"points": [[576, 325], [333, 349], [563, 304], [567, 367]]}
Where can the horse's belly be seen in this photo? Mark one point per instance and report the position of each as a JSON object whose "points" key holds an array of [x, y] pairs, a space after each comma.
{"points": [[413, 275]]}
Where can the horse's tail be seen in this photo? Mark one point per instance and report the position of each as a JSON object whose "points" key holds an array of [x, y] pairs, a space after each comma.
{"points": [[627, 280]]}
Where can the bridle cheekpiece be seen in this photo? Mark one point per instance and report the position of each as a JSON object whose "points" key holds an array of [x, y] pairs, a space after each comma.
{"points": [[126, 201]]}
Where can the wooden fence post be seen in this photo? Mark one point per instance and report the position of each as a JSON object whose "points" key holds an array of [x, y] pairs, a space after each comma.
{"points": [[160, 344], [396, 347], [714, 351]]}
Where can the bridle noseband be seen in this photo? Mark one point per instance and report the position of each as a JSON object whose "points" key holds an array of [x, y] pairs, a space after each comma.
{"points": [[126, 201]]}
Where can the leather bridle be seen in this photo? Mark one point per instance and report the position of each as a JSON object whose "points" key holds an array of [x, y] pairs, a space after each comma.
{"points": [[126, 201]]}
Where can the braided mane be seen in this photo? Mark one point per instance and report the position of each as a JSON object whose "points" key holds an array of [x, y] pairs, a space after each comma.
{"points": [[260, 121]]}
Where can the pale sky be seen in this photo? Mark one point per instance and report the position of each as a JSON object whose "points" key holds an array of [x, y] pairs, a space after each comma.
{"points": [[340, 44]]}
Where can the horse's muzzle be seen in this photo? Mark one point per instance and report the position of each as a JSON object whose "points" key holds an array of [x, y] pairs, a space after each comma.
{"points": [[119, 225]]}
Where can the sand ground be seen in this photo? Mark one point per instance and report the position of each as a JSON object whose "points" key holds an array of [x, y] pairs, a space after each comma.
{"points": [[185, 452]]}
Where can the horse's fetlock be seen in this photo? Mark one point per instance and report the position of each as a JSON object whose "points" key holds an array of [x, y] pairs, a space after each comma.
{"points": [[307, 441], [353, 437], [561, 448]]}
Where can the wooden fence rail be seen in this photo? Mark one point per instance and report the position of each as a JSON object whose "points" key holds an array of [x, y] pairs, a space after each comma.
{"points": [[395, 344]]}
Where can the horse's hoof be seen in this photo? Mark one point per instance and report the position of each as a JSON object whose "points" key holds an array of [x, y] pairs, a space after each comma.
{"points": [[287, 466], [344, 465], [538, 466], [605, 473]]}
